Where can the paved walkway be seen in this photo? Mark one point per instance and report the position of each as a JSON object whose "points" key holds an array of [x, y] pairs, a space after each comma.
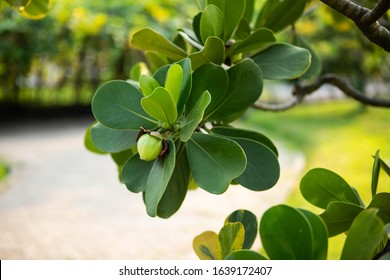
{"points": [[62, 202]]}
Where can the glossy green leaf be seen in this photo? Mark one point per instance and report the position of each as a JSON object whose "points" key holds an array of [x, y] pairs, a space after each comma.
{"points": [[113, 140], [121, 158], [148, 84], [283, 61], [248, 134], [376, 168], [117, 104], [381, 201], [138, 69], [174, 81], [149, 40], [88, 143], [257, 40], [190, 36], [161, 106], [214, 161], [339, 216], [193, 118], [201, 4], [196, 26], [233, 12], [321, 187], [319, 235], [212, 23], [243, 30], [286, 234], [215, 80], [158, 180], [32, 9], [249, 9], [364, 236], [155, 60], [249, 221], [385, 167], [231, 238], [245, 87], [135, 173], [245, 255], [177, 187], [186, 85], [278, 14], [262, 171], [207, 246], [213, 51], [316, 65]]}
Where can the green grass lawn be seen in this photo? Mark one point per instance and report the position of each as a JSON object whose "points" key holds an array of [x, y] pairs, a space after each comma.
{"points": [[341, 136]]}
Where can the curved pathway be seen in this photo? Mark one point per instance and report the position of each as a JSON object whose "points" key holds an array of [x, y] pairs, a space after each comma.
{"points": [[62, 202]]}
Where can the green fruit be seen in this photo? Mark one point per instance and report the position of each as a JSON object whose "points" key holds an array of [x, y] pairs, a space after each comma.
{"points": [[149, 147]]}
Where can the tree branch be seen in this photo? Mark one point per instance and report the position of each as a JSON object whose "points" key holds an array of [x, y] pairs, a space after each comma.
{"points": [[365, 19], [300, 91], [342, 84]]}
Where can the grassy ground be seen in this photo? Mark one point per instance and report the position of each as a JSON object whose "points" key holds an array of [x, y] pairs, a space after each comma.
{"points": [[341, 136]]}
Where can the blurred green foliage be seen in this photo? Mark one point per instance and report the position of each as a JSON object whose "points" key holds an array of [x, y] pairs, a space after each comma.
{"points": [[76, 46]]}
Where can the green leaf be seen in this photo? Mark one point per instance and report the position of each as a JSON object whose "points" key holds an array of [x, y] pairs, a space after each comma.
{"points": [[196, 26], [161, 106], [212, 23], [245, 87], [249, 221], [34, 9], [117, 104], [156, 60], [135, 173], [385, 167], [316, 64], [113, 140], [257, 40], [319, 235], [186, 85], [177, 187], [286, 234], [212, 78], [248, 134], [262, 171], [207, 246], [249, 9], [213, 51], [233, 11], [214, 161], [88, 143], [376, 168], [339, 216], [148, 84], [283, 61], [278, 14], [193, 118], [321, 187], [138, 69], [190, 36], [245, 255], [364, 236], [149, 40], [231, 237], [121, 158], [174, 81], [158, 180], [381, 201]]}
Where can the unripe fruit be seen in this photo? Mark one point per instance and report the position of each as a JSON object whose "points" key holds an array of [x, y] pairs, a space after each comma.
{"points": [[149, 147]]}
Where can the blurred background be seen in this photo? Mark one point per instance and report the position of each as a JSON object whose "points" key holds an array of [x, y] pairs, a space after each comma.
{"points": [[58, 201]]}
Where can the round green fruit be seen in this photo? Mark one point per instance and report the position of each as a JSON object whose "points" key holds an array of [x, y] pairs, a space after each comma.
{"points": [[149, 147]]}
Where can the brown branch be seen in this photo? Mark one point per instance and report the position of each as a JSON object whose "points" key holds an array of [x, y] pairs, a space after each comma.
{"points": [[343, 85], [365, 19], [300, 91]]}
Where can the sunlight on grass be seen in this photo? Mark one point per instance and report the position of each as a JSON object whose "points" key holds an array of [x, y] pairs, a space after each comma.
{"points": [[340, 136]]}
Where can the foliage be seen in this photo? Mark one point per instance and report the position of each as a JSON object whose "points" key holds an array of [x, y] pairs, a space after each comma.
{"points": [[292, 233], [204, 79], [33, 9]]}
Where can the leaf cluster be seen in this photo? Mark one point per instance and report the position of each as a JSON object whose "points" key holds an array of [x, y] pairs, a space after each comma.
{"points": [[289, 233]]}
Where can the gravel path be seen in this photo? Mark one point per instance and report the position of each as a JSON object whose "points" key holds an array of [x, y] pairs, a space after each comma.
{"points": [[62, 202]]}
